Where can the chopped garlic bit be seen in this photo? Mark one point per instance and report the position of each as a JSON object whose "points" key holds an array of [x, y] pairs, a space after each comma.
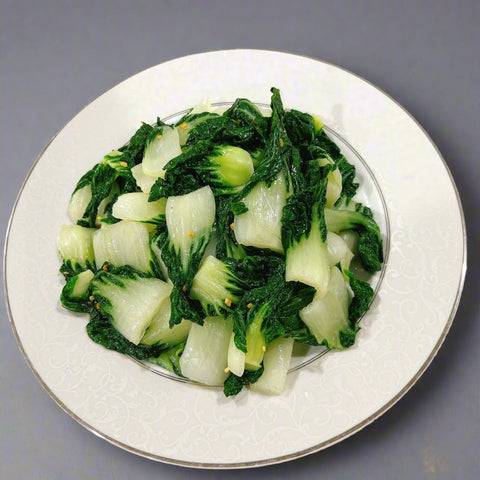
{"points": [[228, 302], [191, 234], [183, 126]]}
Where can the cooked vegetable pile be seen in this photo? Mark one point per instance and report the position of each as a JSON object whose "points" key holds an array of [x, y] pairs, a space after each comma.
{"points": [[210, 246]]}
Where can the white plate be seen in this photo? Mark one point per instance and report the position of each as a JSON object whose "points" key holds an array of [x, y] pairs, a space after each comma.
{"points": [[324, 402]]}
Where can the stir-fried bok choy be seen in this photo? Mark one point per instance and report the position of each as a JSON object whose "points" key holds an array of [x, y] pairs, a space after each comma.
{"points": [[214, 245]]}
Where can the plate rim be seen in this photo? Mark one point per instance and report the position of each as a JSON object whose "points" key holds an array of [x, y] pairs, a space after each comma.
{"points": [[300, 453]]}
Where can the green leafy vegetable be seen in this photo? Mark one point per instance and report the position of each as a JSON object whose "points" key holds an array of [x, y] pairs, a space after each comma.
{"points": [[101, 331], [133, 150], [227, 245], [234, 384], [75, 246], [300, 128], [224, 168], [129, 298], [266, 311], [279, 153], [104, 180], [211, 245], [76, 292], [217, 287], [170, 359], [182, 240], [361, 220], [362, 297], [323, 147]]}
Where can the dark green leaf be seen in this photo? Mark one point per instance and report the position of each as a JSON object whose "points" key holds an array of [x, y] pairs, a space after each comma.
{"points": [[101, 331], [233, 384], [300, 128], [363, 294]]}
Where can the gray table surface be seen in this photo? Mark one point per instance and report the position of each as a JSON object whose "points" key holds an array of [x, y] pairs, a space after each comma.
{"points": [[58, 56]]}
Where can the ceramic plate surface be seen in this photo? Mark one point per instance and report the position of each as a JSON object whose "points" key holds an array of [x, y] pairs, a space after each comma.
{"points": [[325, 401]]}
